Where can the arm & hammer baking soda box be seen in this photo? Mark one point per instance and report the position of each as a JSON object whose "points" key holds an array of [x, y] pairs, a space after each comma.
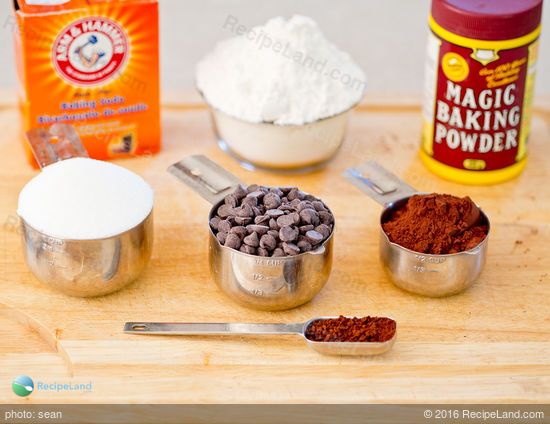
{"points": [[93, 64]]}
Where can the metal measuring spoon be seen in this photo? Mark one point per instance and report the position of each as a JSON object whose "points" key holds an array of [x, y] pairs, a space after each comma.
{"points": [[420, 273], [226, 328]]}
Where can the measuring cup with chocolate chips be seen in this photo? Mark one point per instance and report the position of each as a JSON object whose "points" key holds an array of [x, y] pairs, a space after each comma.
{"points": [[270, 247], [430, 244]]}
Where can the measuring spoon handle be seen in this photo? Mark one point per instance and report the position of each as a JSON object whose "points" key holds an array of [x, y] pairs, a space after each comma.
{"points": [[379, 183], [206, 328], [205, 177]]}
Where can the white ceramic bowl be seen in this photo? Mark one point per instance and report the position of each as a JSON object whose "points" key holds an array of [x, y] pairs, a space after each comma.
{"points": [[281, 147]]}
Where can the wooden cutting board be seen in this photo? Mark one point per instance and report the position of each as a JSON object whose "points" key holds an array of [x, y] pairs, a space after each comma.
{"points": [[489, 344]]}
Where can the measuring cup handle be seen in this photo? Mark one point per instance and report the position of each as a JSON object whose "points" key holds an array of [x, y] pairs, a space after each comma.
{"points": [[205, 177], [378, 183], [198, 328], [55, 144]]}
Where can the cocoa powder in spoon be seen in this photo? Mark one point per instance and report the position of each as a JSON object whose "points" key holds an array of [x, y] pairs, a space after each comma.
{"points": [[344, 329]]}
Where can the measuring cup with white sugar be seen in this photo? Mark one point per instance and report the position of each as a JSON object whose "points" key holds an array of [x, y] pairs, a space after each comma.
{"points": [[356, 348], [86, 225], [265, 283], [434, 275]]}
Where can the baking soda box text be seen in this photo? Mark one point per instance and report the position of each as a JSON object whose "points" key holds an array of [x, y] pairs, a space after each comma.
{"points": [[93, 64]]}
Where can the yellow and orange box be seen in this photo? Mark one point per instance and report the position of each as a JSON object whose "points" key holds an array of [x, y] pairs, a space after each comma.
{"points": [[93, 64]]}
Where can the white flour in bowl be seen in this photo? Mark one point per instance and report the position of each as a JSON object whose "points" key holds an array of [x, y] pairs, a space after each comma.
{"points": [[85, 199], [285, 72]]}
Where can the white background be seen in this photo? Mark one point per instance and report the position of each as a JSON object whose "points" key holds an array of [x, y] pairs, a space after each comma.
{"points": [[386, 37]]}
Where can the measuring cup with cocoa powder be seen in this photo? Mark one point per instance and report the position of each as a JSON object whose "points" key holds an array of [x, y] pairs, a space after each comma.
{"points": [[430, 244], [341, 335]]}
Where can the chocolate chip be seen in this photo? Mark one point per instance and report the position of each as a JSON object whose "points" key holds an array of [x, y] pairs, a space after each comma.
{"points": [[287, 189], [272, 201], [295, 203], [286, 207], [252, 187], [225, 210], [296, 194], [268, 242], [221, 236], [239, 220], [261, 219], [224, 226], [274, 234], [305, 246], [277, 191], [233, 241], [248, 249], [240, 192], [288, 234], [258, 194], [245, 211], [214, 222], [291, 249], [278, 253], [310, 217], [262, 252], [250, 201], [273, 224], [231, 200], [314, 237], [260, 229], [274, 213], [285, 221], [290, 219], [326, 217], [252, 240], [305, 228], [324, 230], [304, 205], [239, 231], [292, 194], [318, 205]]}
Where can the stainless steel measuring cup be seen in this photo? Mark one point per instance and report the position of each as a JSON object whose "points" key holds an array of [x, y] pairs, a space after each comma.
{"points": [[221, 329], [424, 274], [257, 282], [82, 268]]}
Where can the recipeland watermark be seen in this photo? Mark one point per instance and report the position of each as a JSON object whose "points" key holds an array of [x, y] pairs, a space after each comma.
{"points": [[24, 386], [263, 40]]}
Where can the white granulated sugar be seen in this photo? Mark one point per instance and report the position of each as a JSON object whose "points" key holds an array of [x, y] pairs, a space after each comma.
{"points": [[85, 199], [285, 72]]}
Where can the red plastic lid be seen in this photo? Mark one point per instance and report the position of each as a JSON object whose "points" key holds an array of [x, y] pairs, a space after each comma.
{"points": [[488, 19]]}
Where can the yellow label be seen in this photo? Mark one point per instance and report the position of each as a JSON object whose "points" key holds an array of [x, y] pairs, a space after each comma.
{"points": [[455, 67], [474, 164]]}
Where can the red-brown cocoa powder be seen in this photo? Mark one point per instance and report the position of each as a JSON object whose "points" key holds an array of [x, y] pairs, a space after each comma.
{"points": [[343, 329], [436, 224]]}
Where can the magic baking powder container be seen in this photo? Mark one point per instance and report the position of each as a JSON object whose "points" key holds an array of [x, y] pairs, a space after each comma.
{"points": [[479, 79]]}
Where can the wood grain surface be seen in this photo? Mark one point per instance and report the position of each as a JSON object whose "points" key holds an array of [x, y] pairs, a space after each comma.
{"points": [[489, 344]]}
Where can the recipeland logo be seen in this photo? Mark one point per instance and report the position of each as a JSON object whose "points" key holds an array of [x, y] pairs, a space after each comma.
{"points": [[23, 386]]}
